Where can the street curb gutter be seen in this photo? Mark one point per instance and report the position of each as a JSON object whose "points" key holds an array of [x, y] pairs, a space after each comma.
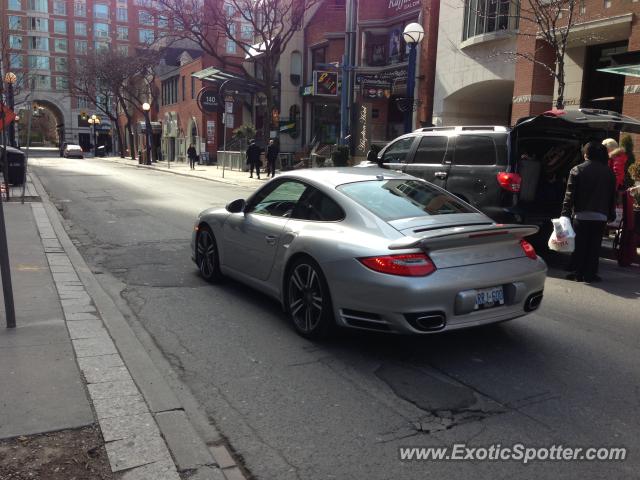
{"points": [[133, 401]]}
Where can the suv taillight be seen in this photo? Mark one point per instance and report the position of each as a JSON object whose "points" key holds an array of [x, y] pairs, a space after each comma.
{"points": [[406, 265], [509, 181]]}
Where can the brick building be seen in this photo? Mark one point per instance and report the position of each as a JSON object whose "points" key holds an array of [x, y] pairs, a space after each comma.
{"points": [[43, 36]]}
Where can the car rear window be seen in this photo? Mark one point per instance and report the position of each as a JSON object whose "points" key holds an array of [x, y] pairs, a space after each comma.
{"points": [[394, 199]]}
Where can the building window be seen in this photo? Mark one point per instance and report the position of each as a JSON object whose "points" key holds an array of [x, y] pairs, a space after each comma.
{"points": [[231, 46], [38, 5], [184, 89], [61, 64], [15, 60], [80, 28], [81, 47], [486, 16], [60, 26], [193, 87], [15, 41], [101, 46], [101, 11], [101, 30], [122, 15], [318, 58], [83, 102], [43, 81], [123, 50], [163, 22], [38, 62], [39, 24], [145, 18], [295, 69], [122, 33], [15, 4], [39, 43], [59, 7], [145, 36], [229, 10], [80, 9], [246, 31], [169, 90], [15, 22], [61, 45]]}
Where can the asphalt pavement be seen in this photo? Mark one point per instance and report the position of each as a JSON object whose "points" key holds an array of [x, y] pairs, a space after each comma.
{"points": [[290, 408]]}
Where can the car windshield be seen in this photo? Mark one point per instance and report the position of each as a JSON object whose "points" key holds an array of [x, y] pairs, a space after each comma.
{"points": [[403, 198]]}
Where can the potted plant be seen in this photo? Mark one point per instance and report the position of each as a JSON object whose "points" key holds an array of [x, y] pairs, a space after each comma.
{"points": [[340, 156]]}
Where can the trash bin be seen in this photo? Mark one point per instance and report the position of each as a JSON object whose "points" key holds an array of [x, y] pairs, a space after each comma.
{"points": [[16, 167], [101, 151]]}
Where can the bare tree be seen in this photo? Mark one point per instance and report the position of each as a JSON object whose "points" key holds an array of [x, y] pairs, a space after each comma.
{"points": [[550, 21], [259, 29], [109, 78]]}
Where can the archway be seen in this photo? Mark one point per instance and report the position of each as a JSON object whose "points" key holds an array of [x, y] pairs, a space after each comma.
{"points": [[48, 127], [482, 103], [193, 135]]}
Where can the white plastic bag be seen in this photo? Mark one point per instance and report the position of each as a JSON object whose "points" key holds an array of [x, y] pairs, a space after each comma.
{"points": [[563, 238]]}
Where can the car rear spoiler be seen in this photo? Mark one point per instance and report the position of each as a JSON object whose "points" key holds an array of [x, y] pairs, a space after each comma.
{"points": [[464, 235]]}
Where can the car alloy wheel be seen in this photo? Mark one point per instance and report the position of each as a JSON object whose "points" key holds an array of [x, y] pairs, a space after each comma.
{"points": [[207, 255], [308, 300]]}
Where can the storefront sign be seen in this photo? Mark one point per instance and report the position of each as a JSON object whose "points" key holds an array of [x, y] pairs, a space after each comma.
{"points": [[306, 91], [402, 6], [363, 138], [325, 83], [374, 91], [211, 132], [228, 106], [385, 78], [208, 101]]}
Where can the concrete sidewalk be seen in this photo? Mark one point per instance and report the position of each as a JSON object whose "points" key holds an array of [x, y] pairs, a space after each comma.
{"points": [[206, 172], [42, 389]]}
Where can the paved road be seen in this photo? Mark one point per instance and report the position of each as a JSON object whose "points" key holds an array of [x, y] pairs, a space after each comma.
{"points": [[292, 409]]}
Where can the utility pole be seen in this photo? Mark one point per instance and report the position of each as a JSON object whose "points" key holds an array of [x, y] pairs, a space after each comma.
{"points": [[5, 269], [346, 92]]}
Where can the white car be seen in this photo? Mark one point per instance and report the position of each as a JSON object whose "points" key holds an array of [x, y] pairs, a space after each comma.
{"points": [[73, 151]]}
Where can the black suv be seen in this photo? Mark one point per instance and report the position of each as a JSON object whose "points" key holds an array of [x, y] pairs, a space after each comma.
{"points": [[513, 175]]}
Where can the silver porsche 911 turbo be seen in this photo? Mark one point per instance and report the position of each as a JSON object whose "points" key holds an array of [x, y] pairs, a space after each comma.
{"points": [[371, 249]]}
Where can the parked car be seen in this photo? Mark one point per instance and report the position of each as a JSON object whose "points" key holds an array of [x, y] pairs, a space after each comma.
{"points": [[71, 150], [371, 249], [513, 175]]}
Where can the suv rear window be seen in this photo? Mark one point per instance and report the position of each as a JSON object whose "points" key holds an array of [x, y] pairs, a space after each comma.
{"points": [[475, 150], [403, 198]]}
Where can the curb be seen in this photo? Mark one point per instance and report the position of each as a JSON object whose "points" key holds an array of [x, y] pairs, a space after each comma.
{"points": [[119, 161], [149, 431]]}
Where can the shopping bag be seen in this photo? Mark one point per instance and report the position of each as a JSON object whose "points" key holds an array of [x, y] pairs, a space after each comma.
{"points": [[563, 238]]}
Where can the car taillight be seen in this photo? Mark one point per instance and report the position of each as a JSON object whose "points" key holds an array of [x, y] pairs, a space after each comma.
{"points": [[509, 181], [406, 265], [528, 249]]}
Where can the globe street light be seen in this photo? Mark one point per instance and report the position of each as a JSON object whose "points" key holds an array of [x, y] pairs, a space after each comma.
{"points": [[94, 121], [412, 34], [147, 126], [10, 78]]}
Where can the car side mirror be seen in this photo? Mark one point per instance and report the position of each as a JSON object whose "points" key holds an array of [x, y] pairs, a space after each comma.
{"points": [[237, 206]]}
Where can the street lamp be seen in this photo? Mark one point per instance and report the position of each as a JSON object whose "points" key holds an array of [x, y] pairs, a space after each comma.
{"points": [[147, 126], [94, 121], [10, 78], [412, 34]]}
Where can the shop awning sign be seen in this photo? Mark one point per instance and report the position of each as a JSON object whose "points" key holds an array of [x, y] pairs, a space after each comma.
{"points": [[325, 83], [208, 100]]}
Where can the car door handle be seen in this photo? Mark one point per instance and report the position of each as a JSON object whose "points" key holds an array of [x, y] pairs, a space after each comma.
{"points": [[271, 239], [441, 174]]}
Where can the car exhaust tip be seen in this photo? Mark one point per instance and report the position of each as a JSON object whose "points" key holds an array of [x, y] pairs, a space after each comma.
{"points": [[427, 322], [533, 302]]}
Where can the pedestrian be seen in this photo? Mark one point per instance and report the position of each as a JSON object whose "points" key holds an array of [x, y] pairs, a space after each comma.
{"points": [[253, 158], [617, 161], [590, 200], [192, 154], [272, 157]]}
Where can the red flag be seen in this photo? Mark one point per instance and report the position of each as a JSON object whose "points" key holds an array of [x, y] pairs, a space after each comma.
{"points": [[6, 116]]}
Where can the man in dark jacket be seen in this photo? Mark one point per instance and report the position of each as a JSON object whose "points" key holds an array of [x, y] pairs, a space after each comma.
{"points": [[253, 158], [590, 200], [272, 158]]}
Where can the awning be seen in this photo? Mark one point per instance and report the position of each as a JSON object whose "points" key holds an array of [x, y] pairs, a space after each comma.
{"points": [[256, 51], [627, 64], [212, 74], [156, 127]]}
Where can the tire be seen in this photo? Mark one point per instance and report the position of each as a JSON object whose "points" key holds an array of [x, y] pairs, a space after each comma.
{"points": [[307, 300], [207, 257]]}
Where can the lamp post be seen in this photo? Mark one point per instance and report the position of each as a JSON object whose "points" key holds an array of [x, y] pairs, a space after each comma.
{"points": [[10, 78], [147, 126], [93, 120], [17, 135], [412, 34]]}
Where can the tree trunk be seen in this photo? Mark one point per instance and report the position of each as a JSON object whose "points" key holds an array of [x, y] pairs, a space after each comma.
{"points": [[561, 81], [268, 80], [131, 143], [120, 141]]}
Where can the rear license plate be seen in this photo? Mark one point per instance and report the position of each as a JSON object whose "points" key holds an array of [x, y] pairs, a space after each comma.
{"points": [[489, 297]]}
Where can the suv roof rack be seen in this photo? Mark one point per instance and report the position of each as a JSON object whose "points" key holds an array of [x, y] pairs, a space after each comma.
{"points": [[492, 128]]}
